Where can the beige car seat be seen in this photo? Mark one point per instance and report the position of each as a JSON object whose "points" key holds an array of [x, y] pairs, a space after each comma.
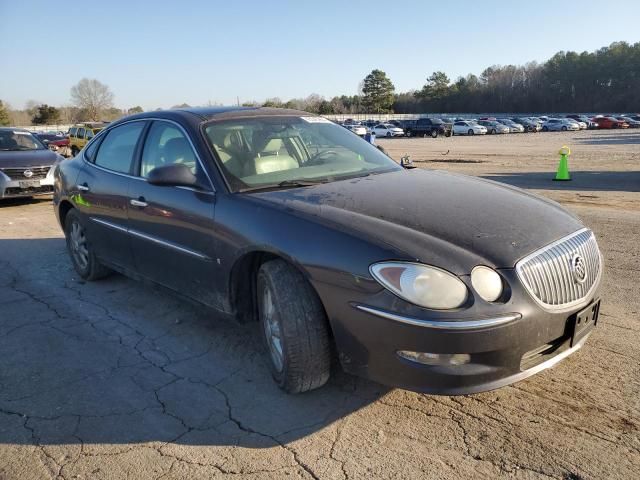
{"points": [[274, 157]]}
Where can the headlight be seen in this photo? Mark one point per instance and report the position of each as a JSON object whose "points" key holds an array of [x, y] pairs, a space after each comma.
{"points": [[487, 283], [422, 285]]}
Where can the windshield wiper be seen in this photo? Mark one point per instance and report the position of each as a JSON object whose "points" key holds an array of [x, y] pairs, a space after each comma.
{"points": [[284, 184]]}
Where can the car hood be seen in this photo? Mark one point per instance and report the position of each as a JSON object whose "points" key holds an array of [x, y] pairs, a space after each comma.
{"points": [[27, 158], [444, 219]]}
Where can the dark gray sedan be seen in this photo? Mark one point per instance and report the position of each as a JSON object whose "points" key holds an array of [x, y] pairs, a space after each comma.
{"points": [[424, 280]]}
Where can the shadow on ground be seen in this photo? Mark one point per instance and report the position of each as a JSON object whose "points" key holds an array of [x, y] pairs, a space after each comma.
{"points": [[116, 361], [580, 180], [631, 138]]}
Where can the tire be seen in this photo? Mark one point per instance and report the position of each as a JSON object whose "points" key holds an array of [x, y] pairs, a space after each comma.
{"points": [[409, 133], [434, 133], [471, 132], [389, 134], [564, 128], [493, 131], [545, 129], [82, 256], [294, 327]]}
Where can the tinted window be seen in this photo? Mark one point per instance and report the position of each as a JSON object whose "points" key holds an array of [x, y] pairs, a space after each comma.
{"points": [[80, 133], [116, 150], [460, 124], [90, 150], [72, 131], [166, 144]]}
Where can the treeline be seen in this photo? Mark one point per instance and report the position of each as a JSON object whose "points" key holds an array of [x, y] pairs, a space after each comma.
{"points": [[607, 80]]}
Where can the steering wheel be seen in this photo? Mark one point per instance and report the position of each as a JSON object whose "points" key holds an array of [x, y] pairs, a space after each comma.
{"points": [[315, 160]]}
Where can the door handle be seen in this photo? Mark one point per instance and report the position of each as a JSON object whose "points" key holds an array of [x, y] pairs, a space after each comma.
{"points": [[83, 188], [138, 203]]}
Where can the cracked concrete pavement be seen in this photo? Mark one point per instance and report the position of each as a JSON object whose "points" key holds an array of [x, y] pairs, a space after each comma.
{"points": [[116, 379]]}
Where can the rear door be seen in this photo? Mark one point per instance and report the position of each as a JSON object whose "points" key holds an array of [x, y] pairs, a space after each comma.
{"points": [[102, 191], [171, 228]]}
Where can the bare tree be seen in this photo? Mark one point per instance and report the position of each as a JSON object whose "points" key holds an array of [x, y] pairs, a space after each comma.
{"points": [[92, 96]]}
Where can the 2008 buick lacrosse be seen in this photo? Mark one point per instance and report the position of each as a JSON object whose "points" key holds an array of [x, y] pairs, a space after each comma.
{"points": [[420, 279]]}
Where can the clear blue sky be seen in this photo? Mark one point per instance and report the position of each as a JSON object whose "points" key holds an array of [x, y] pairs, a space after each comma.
{"points": [[164, 52]]}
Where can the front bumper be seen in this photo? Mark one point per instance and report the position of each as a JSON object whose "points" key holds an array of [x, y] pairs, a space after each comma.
{"points": [[11, 188], [517, 340]]}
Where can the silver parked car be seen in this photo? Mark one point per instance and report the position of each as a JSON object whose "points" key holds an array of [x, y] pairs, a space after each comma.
{"points": [[26, 164], [559, 124], [513, 126]]}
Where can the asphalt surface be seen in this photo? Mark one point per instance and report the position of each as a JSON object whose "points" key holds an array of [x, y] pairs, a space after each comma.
{"points": [[117, 379]]}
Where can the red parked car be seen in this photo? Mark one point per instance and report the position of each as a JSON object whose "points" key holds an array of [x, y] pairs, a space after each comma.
{"points": [[610, 122]]}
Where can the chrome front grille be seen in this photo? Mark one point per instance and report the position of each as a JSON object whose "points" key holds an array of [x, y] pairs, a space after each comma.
{"points": [[552, 275], [18, 173]]}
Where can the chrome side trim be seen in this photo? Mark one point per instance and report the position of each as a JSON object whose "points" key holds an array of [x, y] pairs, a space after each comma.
{"points": [[152, 239], [443, 325], [110, 225]]}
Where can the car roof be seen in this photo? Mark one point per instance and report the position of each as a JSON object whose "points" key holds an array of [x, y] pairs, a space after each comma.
{"points": [[219, 113]]}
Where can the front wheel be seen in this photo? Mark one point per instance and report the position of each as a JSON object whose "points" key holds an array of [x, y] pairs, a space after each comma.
{"points": [[409, 133], [471, 132], [545, 129], [81, 252], [294, 328], [564, 129], [389, 134], [434, 134]]}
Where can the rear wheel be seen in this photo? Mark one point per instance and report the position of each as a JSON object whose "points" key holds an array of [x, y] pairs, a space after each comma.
{"points": [[80, 249], [409, 133], [545, 129], [294, 327]]}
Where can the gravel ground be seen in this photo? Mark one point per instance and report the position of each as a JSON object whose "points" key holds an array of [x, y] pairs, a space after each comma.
{"points": [[116, 379]]}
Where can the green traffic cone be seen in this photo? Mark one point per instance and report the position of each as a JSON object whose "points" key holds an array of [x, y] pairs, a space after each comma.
{"points": [[563, 167]]}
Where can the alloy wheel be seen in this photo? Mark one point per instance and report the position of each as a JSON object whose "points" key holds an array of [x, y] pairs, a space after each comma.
{"points": [[79, 248], [272, 330]]}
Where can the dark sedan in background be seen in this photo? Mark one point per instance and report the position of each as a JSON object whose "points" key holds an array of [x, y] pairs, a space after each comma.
{"points": [[425, 280], [26, 164]]}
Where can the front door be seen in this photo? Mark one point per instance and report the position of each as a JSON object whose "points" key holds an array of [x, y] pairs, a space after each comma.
{"points": [[102, 192], [170, 227]]}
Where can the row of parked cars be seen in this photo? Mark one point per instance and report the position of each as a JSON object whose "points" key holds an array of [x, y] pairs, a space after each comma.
{"points": [[446, 126]]}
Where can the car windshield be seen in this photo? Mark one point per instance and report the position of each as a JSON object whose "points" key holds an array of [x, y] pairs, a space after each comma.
{"points": [[280, 152], [16, 140]]}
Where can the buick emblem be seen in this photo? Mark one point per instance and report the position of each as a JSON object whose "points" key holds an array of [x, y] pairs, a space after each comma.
{"points": [[578, 268], [28, 173]]}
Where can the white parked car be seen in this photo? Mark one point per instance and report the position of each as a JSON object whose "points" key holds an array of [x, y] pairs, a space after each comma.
{"points": [[513, 126], [559, 124], [387, 130], [360, 130], [468, 128]]}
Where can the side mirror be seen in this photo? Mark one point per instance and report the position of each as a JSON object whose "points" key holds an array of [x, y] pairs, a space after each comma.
{"points": [[174, 175]]}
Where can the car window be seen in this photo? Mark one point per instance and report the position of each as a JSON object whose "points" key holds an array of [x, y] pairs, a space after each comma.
{"points": [[90, 150], [80, 133], [88, 134], [166, 144], [117, 149], [266, 151], [72, 131]]}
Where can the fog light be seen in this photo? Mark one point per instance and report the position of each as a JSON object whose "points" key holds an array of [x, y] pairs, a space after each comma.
{"points": [[443, 359]]}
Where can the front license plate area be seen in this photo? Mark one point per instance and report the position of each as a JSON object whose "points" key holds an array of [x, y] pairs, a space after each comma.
{"points": [[29, 183], [584, 321]]}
